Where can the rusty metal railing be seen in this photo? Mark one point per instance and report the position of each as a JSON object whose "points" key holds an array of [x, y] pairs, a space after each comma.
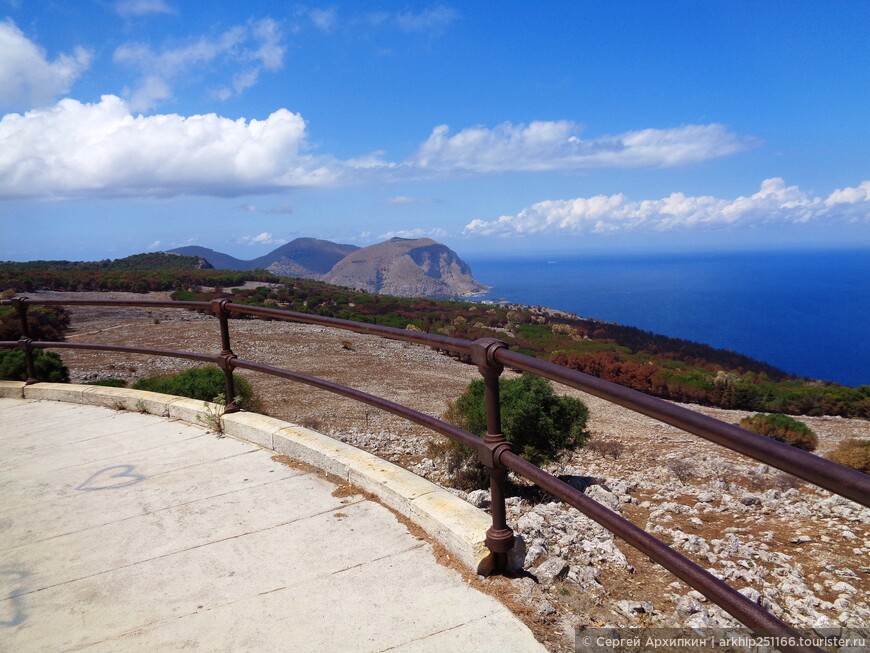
{"points": [[491, 356]]}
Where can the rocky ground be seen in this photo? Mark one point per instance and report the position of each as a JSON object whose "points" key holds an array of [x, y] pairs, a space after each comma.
{"points": [[798, 551]]}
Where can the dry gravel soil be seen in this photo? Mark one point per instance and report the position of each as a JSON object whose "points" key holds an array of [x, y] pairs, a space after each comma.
{"points": [[422, 379]]}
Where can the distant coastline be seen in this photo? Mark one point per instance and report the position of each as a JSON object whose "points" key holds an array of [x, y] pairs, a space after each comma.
{"points": [[803, 311]]}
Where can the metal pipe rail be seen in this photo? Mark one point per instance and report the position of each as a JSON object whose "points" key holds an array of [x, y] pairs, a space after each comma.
{"points": [[491, 356], [819, 471]]}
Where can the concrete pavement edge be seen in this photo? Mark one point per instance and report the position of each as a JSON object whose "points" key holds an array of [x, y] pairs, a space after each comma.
{"points": [[455, 524]]}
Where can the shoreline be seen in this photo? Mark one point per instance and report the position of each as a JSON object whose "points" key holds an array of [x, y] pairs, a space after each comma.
{"points": [[798, 311]]}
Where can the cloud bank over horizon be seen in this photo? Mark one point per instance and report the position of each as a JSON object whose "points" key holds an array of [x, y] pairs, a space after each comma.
{"points": [[135, 118], [104, 149], [557, 145], [774, 203]]}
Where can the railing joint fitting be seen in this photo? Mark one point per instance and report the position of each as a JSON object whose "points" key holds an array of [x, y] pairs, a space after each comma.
{"points": [[491, 451], [225, 361], [219, 307], [483, 352], [25, 344]]}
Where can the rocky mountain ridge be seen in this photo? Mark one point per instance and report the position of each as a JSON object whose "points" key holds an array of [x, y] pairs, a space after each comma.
{"points": [[302, 257], [405, 267]]}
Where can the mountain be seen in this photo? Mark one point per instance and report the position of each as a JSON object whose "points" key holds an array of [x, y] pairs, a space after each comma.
{"points": [[408, 268], [303, 257], [217, 260], [149, 261], [400, 266]]}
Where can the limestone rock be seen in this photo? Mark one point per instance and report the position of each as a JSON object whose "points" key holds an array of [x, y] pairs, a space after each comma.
{"points": [[602, 496], [551, 570], [479, 499]]}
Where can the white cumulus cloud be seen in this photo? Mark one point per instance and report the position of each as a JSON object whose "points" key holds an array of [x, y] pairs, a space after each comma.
{"points": [[323, 19], [434, 233], [103, 150], [435, 19], [280, 209], [405, 200], [774, 203], [844, 196], [243, 52], [432, 21], [264, 238], [557, 145], [128, 8], [27, 77]]}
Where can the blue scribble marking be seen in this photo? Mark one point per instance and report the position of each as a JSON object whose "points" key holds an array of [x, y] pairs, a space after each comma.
{"points": [[15, 606], [105, 479]]}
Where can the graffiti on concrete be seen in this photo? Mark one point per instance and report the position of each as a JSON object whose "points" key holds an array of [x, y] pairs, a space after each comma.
{"points": [[112, 478], [12, 612]]}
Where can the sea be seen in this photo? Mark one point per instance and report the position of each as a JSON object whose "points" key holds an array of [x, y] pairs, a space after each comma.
{"points": [[805, 312]]}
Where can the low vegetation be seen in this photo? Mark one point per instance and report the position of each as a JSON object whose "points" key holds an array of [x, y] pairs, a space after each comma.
{"points": [[48, 323], [138, 273], [853, 453], [205, 383], [47, 365], [539, 424], [136, 263], [782, 428], [669, 368], [108, 383]]}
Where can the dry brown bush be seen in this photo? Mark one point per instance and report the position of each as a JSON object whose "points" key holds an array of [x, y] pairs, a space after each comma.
{"points": [[853, 453]]}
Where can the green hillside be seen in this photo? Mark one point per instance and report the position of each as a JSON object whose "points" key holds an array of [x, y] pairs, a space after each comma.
{"points": [[149, 261], [137, 273], [670, 368]]}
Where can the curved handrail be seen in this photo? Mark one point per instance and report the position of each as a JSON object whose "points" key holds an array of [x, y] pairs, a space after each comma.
{"points": [[490, 356], [454, 345], [719, 592], [839, 479]]}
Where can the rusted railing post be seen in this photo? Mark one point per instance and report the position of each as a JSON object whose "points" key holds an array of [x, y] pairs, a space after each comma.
{"points": [[499, 536], [219, 308], [24, 343]]}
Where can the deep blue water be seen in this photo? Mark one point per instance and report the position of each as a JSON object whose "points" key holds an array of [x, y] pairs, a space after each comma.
{"points": [[806, 312]]}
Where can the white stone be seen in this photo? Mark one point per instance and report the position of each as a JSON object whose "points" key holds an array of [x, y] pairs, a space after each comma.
{"points": [[602, 496], [479, 498], [551, 570]]}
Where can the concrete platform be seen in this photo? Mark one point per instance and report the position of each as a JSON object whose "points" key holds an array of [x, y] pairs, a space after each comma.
{"points": [[129, 531]]}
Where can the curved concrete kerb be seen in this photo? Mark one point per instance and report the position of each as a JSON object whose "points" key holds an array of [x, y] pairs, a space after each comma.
{"points": [[454, 523]]}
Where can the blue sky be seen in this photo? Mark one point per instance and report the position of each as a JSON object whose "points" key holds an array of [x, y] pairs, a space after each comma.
{"points": [[142, 125]]}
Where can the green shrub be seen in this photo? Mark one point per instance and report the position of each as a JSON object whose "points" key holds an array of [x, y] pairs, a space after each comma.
{"points": [[853, 453], [43, 323], [205, 383], [109, 383], [47, 365], [783, 428], [535, 420]]}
